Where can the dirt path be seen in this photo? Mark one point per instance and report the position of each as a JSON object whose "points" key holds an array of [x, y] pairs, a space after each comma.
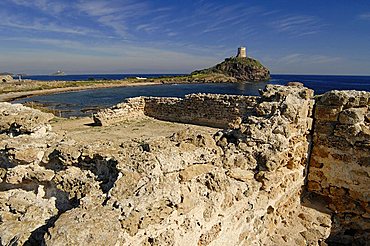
{"points": [[81, 129]]}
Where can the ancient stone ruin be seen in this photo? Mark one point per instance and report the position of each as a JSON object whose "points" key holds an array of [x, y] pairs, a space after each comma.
{"points": [[286, 169], [6, 78]]}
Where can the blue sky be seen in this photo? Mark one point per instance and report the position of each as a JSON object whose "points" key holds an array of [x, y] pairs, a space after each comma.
{"points": [[173, 36]]}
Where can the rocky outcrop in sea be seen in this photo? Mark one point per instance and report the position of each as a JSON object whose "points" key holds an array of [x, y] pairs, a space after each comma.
{"points": [[239, 69]]}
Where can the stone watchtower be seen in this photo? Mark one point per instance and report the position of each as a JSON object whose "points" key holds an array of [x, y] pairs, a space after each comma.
{"points": [[242, 52]]}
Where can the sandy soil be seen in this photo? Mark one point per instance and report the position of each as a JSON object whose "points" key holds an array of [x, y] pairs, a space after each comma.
{"points": [[82, 129]]}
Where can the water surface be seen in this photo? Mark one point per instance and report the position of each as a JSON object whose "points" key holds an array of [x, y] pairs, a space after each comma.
{"points": [[82, 103]]}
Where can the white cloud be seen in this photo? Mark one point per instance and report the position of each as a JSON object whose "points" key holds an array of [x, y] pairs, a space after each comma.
{"points": [[298, 25]]}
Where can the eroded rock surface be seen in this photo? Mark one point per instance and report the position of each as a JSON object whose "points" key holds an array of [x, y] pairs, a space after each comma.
{"points": [[17, 119], [239, 186]]}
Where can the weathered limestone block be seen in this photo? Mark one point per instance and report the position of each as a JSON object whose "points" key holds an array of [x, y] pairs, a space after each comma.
{"points": [[21, 213], [211, 235], [273, 136], [327, 113], [348, 99], [96, 225], [367, 117], [76, 182], [16, 119], [194, 171], [25, 149], [6, 78], [240, 174], [67, 152], [20, 174], [126, 184], [352, 116], [131, 109], [25, 154]]}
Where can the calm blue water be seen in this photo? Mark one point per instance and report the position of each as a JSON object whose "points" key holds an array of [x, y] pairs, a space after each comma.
{"points": [[82, 77], [82, 103]]}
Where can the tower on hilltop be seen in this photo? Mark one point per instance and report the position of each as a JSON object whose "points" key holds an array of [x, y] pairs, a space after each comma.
{"points": [[242, 52]]}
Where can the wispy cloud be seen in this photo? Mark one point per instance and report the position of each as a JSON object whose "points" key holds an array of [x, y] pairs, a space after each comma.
{"points": [[61, 43], [364, 16], [100, 58], [214, 17], [40, 25], [298, 25], [48, 6], [272, 12], [299, 58], [147, 28], [121, 16]]}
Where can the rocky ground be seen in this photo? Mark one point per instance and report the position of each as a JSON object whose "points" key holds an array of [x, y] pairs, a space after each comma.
{"points": [[147, 182]]}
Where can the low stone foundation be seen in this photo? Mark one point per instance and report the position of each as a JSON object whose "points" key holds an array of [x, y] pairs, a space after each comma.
{"points": [[221, 111]]}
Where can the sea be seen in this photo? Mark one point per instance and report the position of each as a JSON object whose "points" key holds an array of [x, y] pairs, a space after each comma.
{"points": [[87, 102]]}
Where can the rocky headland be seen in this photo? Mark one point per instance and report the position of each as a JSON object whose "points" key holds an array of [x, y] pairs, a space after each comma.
{"points": [[279, 169], [237, 69]]}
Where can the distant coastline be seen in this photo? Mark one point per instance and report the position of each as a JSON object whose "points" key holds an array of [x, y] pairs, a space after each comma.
{"points": [[7, 97], [56, 84], [30, 87]]}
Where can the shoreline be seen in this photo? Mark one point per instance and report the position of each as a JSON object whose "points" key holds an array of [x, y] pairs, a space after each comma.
{"points": [[11, 96], [62, 86]]}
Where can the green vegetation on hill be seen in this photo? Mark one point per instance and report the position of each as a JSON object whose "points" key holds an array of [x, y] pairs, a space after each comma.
{"points": [[242, 69]]}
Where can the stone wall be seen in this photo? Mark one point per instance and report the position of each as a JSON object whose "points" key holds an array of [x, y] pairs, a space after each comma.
{"points": [[221, 111], [272, 147], [132, 108], [238, 187], [340, 161]]}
